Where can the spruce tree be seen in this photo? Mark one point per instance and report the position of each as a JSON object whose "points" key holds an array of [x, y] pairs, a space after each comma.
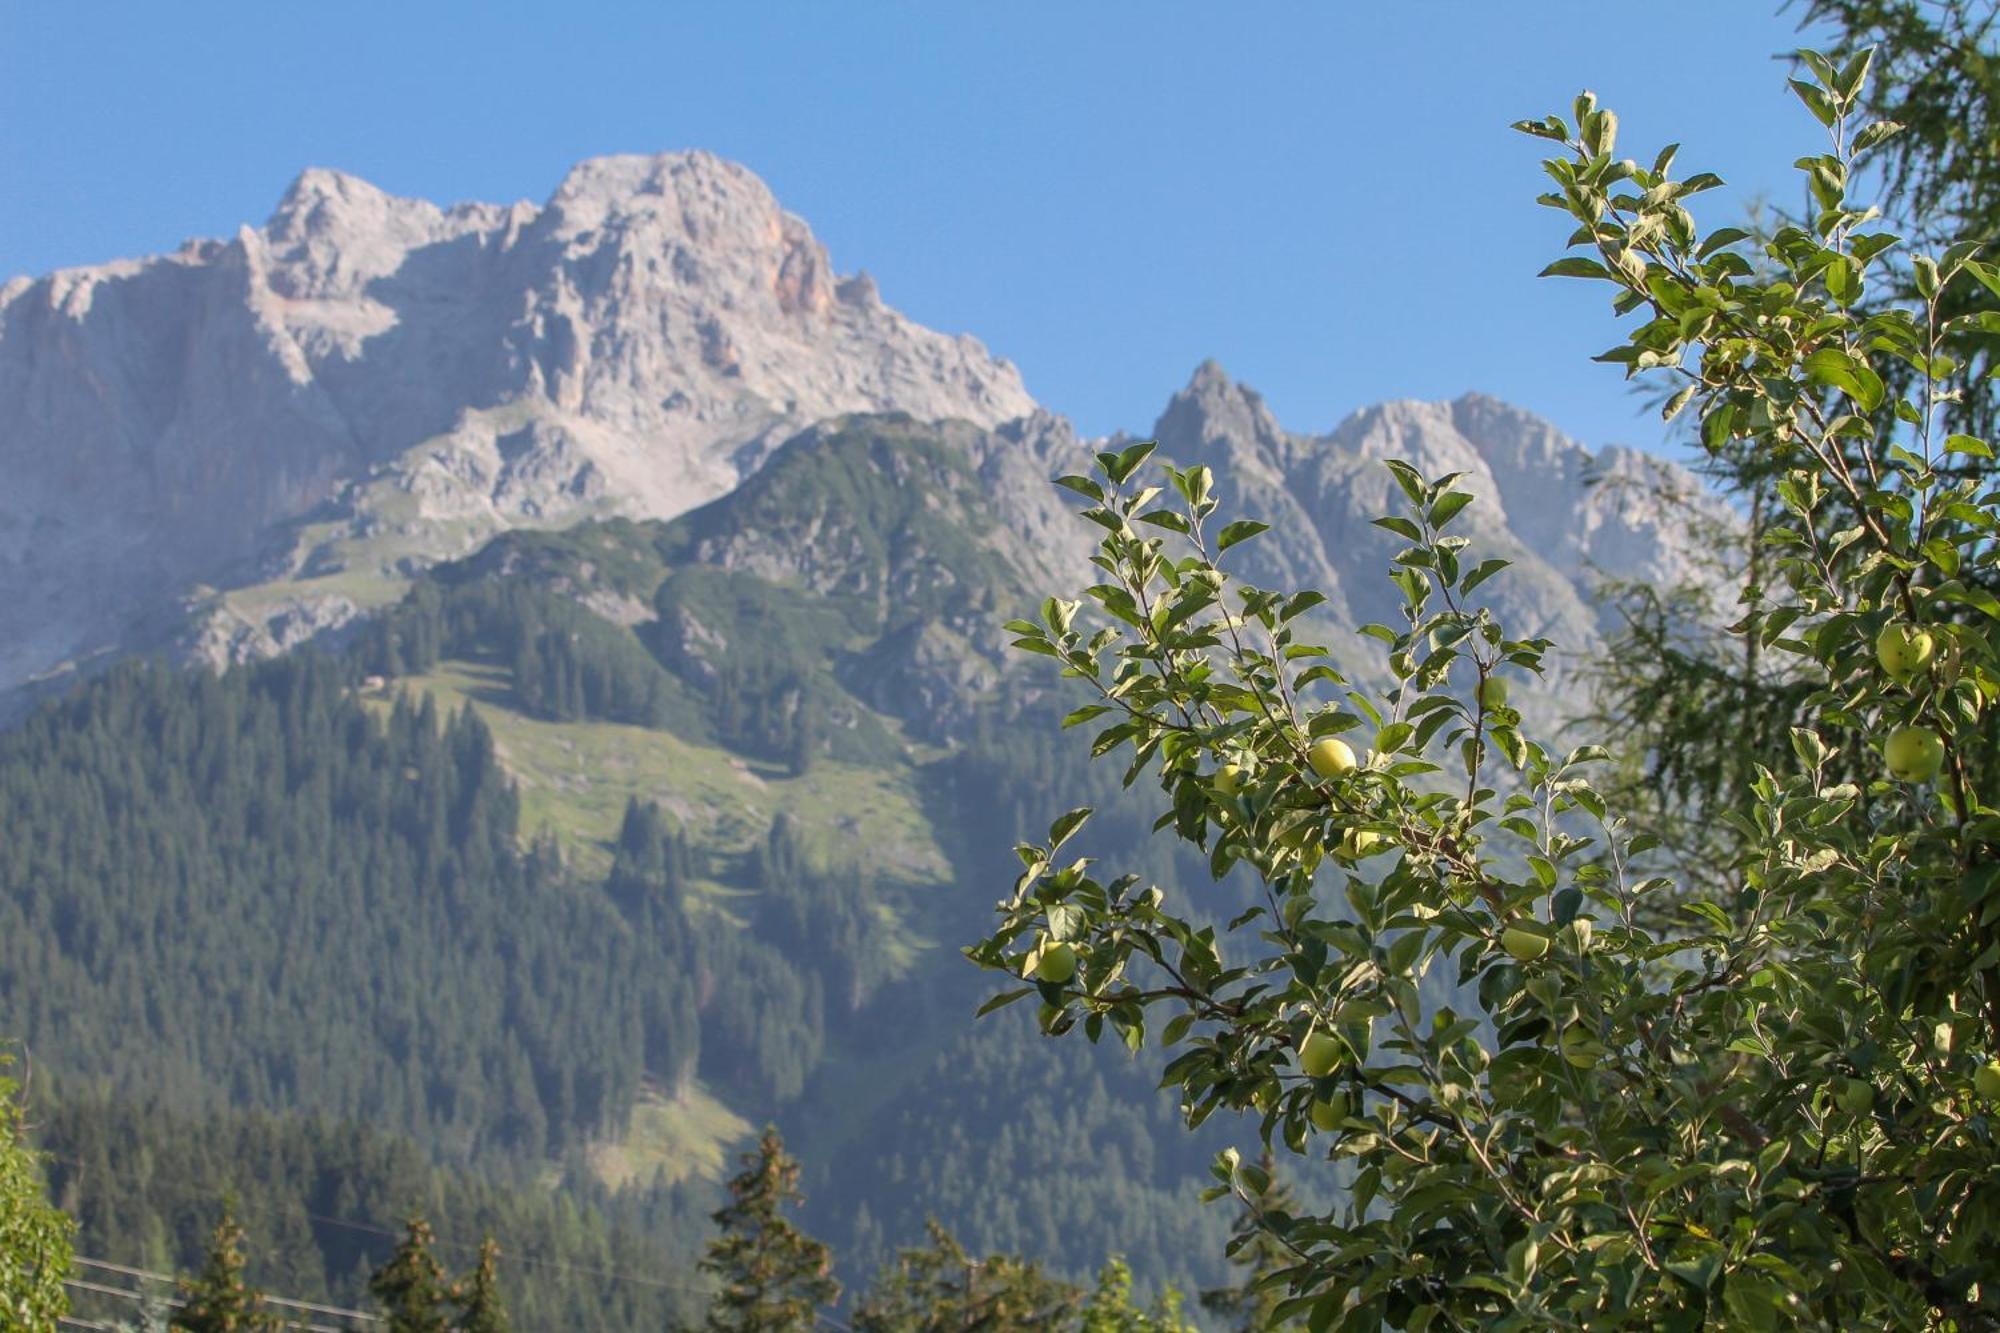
{"points": [[219, 1300], [478, 1297], [411, 1285], [773, 1277]]}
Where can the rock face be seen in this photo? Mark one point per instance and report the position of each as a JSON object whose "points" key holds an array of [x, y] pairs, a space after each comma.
{"points": [[247, 443], [1566, 517], [368, 383]]}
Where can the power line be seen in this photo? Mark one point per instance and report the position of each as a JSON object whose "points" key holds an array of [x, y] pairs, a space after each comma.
{"points": [[194, 1192], [172, 1280], [189, 1191], [142, 1298]]}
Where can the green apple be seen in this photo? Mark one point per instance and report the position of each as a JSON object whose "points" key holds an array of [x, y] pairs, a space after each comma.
{"points": [[1904, 650], [1579, 932], [1331, 756], [1986, 1080], [1855, 1095], [1229, 779], [1493, 693], [1359, 842], [1327, 1115], [1914, 754], [1057, 964], [1319, 1055], [1524, 943], [1580, 1047]]}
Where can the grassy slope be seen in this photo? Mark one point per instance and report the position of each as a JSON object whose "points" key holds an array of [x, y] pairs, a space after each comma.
{"points": [[575, 779], [671, 1138]]}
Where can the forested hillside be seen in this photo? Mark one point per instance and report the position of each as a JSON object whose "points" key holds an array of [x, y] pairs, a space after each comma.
{"points": [[599, 849], [321, 1201]]}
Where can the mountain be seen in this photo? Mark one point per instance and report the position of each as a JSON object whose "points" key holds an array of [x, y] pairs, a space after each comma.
{"points": [[1566, 517], [368, 383], [669, 747]]}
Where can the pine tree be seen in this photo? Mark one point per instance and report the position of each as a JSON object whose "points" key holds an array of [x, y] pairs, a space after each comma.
{"points": [[411, 1285], [1251, 1305], [478, 1297], [219, 1301], [774, 1278]]}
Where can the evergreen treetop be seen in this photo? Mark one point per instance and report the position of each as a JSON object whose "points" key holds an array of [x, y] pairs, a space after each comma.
{"points": [[218, 1300], [411, 1285], [481, 1309], [773, 1277]]}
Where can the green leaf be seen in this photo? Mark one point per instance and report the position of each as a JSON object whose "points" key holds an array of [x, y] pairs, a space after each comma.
{"points": [[1987, 274], [1002, 1000], [1408, 478], [1065, 826], [1835, 367], [1487, 569], [1876, 134], [1242, 530], [1119, 467], [1447, 508], [1843, 280], [1067, 922], [1816, 101], [1575, 266]]}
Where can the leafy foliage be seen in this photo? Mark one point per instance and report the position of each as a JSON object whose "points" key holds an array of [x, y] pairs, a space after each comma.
{"points": [[1772, 1106], [1252, 1303], [34, 1236], [1110, 1308]]}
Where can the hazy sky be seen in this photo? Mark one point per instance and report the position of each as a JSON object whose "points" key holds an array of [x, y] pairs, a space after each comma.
{"points": [[1324, 197]]}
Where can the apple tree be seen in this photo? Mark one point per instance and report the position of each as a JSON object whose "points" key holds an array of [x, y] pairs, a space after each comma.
{"points": [[35, 1237], [1762, 1101]]}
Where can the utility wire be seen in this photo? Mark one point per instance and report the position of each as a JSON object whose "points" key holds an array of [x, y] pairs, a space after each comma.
{"points": [[177, 1304], [192, 1192], [516, 1256], [171, 1280]]}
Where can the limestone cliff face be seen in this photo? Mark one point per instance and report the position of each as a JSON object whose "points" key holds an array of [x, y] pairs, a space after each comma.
{"points": [[367, 383], [249, 442], [1568, 518]]}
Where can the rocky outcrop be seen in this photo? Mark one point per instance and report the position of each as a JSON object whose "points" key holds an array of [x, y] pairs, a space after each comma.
{"points": [[370, 380], [251, 441], [1567, 518]]}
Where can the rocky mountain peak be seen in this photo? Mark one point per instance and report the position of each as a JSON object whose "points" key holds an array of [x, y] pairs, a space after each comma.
{"points": [[1214, 414], [368, 383]]}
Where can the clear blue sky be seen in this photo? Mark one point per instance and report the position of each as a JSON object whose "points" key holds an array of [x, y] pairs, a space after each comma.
{"points": [[1324, 197]]}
